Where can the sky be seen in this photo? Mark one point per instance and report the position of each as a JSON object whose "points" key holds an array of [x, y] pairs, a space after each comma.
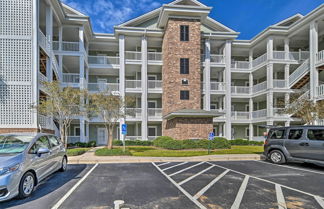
{"points": [[249, 17]]}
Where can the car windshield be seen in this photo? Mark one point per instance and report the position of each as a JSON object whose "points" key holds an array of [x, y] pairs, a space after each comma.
{"points": [[14, 144]]}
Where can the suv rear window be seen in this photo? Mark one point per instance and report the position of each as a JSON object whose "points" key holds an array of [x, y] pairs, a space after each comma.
{"points": [[295, 133], [315, 134], [277, 134]]}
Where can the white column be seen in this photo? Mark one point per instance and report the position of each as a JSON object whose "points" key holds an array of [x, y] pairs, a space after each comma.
{"points": [[81, 60], [207, 75], [228, 101], [251, 131], [82, 130], [60, 56], [144, 88], [88, 131], [287, 66], [270, 90], [49, 37], [270, 48], [121, 77], [251, 58], [313, 49], [286, 41], [251, 82]]}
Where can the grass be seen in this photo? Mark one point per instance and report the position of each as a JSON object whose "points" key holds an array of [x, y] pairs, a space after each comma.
{"points": [[76, 151], [156, 152]]}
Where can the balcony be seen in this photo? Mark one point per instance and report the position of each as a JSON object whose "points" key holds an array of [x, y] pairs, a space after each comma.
{"points": [[134, 113], [103, 61], [66, 46], [292, 56], [217, 86], [154, 57], [133, 85], [154, 113], [260, 60], [279, 84], [71, 79], [240, 90], [259, 114], [240, 65], [133, 56], [320, 58], [154, 85], [238, 115], [320, 91], [279, 112], [103, 87], [259, 87]]}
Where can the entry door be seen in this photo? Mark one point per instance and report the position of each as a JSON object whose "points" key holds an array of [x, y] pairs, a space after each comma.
{"points": [[152, 131], [102, 83], [102, 136]]}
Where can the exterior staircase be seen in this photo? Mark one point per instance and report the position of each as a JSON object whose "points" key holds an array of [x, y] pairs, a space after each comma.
{"points": [[301, 76]]}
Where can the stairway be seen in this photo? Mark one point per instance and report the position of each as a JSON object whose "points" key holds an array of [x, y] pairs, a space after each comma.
{"points": [[300, 76]]}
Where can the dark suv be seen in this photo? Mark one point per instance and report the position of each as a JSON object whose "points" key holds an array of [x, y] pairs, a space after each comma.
{"points": [[295, 143]]}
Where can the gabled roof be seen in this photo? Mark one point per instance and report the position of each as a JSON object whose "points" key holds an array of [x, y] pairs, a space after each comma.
{"points": [[289, 21], [70, 10], [188, 3]]}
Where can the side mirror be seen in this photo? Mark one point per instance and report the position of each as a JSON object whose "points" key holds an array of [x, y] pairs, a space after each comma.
{"points": [[42, 150]]}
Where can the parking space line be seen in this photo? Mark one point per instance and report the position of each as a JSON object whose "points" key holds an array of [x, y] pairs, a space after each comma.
{"points": [[239, 196], [173, 166], [271, 182], [320, 201], [186, 169], [60, 202], [203, 190], [197, 174], [286, 166], [180, 188], [280, 197], [163, 164]]}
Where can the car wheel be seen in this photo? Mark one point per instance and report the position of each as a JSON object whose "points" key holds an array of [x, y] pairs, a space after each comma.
{"points": [[277, 157], [27, 185], [64, 164]]}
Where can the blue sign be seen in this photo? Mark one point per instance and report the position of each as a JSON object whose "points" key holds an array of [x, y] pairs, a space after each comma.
{"points": [[124, 129], [211, 136]]}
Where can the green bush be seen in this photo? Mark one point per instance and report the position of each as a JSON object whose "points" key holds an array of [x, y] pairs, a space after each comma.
{"points": [[76, 151], [83, 144], [140, 149], [245, 142], [170, 143], [133, 143], [111, 152], [91, 144]]}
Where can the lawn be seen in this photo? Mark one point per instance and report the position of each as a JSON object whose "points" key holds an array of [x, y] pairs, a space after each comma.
{"points": [[156, 152], [76, 151]]}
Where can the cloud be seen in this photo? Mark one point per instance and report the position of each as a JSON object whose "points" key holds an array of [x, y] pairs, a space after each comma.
{"points": [[105, 14]]}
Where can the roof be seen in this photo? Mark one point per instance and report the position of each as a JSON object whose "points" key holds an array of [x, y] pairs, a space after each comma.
{"points": [[193, 113]]}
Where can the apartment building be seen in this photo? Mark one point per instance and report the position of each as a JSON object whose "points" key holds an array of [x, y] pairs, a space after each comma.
{"points": [[189, 73]]}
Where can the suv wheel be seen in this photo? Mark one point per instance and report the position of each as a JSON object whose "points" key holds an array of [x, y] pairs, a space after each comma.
{"points": [[277, 157], [26, 186], [64, 164]]}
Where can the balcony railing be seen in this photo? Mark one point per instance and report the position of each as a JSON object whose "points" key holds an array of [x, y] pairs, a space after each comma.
{"points": [[134, 113], [240, 65], [280, 84], [103, 60], [259, 113], [71, 78], [277, 112], [300, 71], [259, 87], [42, 78], [320, 57], [237, 115], [94, 87], [279, 55], [133, 84], [240, 89], [154, 84], [260, 60], [133, 137], [67, 46], [217, 86], [129, 55], [154, 56], [215, 58], [154, 112], [320, 91]]}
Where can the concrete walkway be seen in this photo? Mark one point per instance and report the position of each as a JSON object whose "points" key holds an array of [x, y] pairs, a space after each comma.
{"points": [[90, 158]]}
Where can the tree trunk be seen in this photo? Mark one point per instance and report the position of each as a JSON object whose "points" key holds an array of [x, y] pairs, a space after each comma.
{"points": [[62, 134], [65, 136], [110, 137]]}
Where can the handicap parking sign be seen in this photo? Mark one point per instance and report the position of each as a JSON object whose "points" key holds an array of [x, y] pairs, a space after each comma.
{"points": [[211, 136], [124, 129]]}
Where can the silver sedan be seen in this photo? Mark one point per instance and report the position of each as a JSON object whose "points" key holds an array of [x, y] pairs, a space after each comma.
{"points": [[25, 160]]}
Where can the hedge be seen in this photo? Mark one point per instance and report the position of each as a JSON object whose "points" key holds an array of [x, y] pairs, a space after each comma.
{"points": [[170, 143], [132, 143], [245, 142], [76, 151], [83, 144]]}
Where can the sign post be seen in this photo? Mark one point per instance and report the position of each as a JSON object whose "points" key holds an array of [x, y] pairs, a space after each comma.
{"points": [[124, 132], [210, 137]]}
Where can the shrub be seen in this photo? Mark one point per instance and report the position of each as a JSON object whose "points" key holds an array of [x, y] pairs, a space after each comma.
{"points": [[76, 151], [91, 144], [133, 143], [111, 152], [245, 142]]}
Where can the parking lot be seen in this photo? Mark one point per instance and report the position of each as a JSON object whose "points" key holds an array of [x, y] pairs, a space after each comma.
{"points": [[230, 184]]}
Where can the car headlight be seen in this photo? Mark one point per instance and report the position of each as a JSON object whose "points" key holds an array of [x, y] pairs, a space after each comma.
{"points": [[9, 169]]}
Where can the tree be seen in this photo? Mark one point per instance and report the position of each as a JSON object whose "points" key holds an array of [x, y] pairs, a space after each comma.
{"points": [[110, 109], [63, 104]]}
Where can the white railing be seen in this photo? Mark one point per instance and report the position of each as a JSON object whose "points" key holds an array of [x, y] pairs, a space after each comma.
{"points": [[103, 86], [279, 55], [259, 60], [103, 60], [42, 78], [154, 84], [152, 137], [129, 55], [71, 78], [240, 89], [133, 137], [215, 58], [133, 84], [67, 46], [73, 139], [240, 115], [259, 113], [299, 72], [320, 57], [294, 56], [43, 41], [217, 86], [259, 87], [280, 84], [45, 122], [304, 55], [154, 56], [277, 112], [154, 112], [241, 65], [134, 113], [320, 91]]}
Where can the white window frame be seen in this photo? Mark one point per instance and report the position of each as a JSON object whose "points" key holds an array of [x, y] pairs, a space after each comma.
{"points": [[155, 127], [155, 77], [74, 130], [153, 101]]}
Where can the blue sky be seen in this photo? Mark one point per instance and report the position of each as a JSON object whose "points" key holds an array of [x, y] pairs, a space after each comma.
{"points": [[249, 17]]}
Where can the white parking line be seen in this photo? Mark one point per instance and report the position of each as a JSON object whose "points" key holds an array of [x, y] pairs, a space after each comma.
{"points": [[173, 166], [186, 169], [301, 169], [197, 174], [239, 196], [320, 201], [163, 164], [203, 190], [60, 202], [280, 198], [181, 189]]}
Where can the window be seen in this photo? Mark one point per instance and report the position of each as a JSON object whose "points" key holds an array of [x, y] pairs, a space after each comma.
{"points": [[184, 95], [185, 82], [184, 66], [277, 134], [76, 131], [184, 33], [42, 142], [295, 134], [315, 134], [53, 141], [247, 132]]}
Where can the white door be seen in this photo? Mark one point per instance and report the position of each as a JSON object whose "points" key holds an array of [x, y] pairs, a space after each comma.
{"points": [[102, 136]]}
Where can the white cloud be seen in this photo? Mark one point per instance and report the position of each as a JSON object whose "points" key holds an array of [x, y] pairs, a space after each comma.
{"points": [[105, 14]]}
